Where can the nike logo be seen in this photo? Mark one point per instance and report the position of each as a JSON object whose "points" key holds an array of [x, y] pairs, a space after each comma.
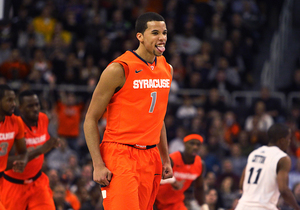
{"points": [[138, 71]]}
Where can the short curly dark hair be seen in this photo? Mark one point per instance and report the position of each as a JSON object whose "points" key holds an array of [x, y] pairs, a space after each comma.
{"points": [[141, 22]]}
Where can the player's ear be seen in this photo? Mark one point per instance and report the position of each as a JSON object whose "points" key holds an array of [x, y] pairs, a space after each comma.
{"points": [[140, 37]]}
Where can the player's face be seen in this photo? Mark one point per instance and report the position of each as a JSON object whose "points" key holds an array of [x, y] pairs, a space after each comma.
{"points": [[155, 37], [8, 102], [287, 140], [30, 108], [192, 147]]}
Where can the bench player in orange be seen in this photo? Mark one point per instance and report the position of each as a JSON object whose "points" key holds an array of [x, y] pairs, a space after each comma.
{"points": [[30, 190], [187, 167], [134, 88], [11, 133]]}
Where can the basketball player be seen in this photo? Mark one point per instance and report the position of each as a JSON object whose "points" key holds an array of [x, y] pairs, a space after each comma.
{"points": [[31, 188], [134, 88], [187, 167], [265, 177], [11, 133]]}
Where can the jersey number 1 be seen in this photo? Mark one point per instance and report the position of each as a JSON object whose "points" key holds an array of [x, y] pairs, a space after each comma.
{"points": [[153, 102], [257, 175]]}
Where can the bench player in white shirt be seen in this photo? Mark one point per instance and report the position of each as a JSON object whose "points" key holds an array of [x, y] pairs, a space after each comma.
{"points": [[265, 176]]}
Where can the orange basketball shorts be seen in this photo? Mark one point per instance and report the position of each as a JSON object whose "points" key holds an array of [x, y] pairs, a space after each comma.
{"points": [[36, 195], [136, 177], [1, 205]]}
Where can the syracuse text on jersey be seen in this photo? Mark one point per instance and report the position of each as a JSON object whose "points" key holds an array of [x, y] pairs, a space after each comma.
{"points": [[36, 140], [7, 136], [151, 83]]}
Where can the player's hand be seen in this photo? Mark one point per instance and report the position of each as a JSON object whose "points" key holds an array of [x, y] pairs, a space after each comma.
{"points": [[178, 185], [167, 171], [19, 166], [48, 145], [102, 175]]}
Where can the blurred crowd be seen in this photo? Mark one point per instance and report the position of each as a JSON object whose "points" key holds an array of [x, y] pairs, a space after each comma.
{"points": [[211, 46]]}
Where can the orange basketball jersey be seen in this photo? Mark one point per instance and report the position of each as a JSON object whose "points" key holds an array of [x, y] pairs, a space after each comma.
{"points": [[10, 129], [136, 112], [34, 137], [182, 172]]}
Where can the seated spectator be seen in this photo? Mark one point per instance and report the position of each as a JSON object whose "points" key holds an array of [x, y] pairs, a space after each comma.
{"points": [[186, 111], [177, 144], [200, 65], [244, 141], [210, 180], [231, 127], [41, 69], [59, 194], [216, 147], [232, 76], [14, 68], [238, 161], [69, 111], [227, 193], [273, 106], [118, 26], [61, 34], [45, 23], [88, 71], [294, 85], [213, 200], [227, 171], [188, 43], [59, 157], [212, 163], [195, 81], [53, 178], [170, 126], [221, 82], [261, 118], [197, 126], [214, 102], [233, 57], [216, 33], [5, 50]]}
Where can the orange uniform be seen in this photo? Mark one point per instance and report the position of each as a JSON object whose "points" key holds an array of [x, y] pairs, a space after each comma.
{"points": [[30, 188], [170, 199], [10, 129], [69, 118], [135, 117]]}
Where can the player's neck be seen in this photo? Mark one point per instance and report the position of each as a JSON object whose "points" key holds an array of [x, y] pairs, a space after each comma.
{"points": [[2, 118], [29, 122], [187, 159], [143, 53]]}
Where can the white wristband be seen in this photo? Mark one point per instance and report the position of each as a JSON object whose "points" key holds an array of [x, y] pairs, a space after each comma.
{"points": [[168, 181]]}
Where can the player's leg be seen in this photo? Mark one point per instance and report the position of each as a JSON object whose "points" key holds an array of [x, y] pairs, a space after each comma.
{"points": [[122, 192], [11, 193], [41, 195], [150, 169]]}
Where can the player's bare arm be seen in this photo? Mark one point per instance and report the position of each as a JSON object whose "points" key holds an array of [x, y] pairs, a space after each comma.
{"points": [[199, 187], [46, 147], [283, 169], [242, 179], [163, 150], [19, 164], [111, 79], [164, 154]]}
